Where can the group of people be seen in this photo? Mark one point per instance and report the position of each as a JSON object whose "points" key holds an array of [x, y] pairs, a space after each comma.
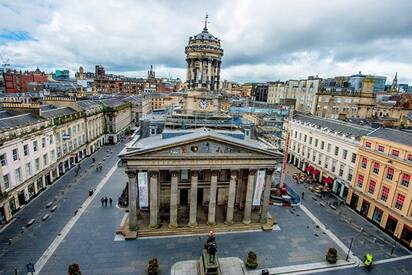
{"points": [[99, 167], [104, 201]]}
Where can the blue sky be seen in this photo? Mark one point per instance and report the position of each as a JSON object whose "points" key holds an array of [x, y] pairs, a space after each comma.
{"points": [[263, 39]]}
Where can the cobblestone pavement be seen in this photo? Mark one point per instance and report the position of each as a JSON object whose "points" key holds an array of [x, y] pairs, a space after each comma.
{"points": [[68, 193], [347, 224]]}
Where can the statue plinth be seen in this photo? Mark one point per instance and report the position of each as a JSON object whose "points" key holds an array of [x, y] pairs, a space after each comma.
{"points": [[209, 266]]}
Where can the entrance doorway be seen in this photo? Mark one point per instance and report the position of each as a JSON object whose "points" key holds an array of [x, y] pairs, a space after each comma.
{"points": [[200, 196], [184, 196], [391, 224], [354, 201]]}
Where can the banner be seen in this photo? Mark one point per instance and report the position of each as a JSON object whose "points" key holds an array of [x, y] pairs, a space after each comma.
{"points": [[260, 184], [143, 189]]}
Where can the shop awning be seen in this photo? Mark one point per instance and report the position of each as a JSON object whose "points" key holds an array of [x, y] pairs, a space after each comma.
{"points": [[309, 168], [315, 172], [328, 180]]}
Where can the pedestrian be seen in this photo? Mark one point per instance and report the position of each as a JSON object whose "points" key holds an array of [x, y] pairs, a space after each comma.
{"points": [[110, 201], [9, 241], [303, 195], [97, 168], [105, 201], [102, 200], [93, 159]]}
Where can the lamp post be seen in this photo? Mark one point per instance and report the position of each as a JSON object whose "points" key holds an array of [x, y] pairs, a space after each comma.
{"points": [[350, 246]]}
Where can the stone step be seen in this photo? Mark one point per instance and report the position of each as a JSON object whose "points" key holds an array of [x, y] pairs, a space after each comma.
{"points": [[197, 230]]}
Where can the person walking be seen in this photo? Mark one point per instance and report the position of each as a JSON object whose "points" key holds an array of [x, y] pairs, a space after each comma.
{"points": [[303, 195], [105, 201], [102, 200], [110, 201]]}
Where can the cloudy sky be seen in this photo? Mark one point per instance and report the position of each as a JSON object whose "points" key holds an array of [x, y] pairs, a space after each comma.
{"points": [[262, 40]]}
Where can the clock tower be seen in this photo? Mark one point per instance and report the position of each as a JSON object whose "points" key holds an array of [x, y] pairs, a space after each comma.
{"points": [[203, 57]]}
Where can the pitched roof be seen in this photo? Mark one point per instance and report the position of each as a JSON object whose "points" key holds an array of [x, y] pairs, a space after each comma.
{"points": [[16, 121], [395, 135], [57, 111], [336, 125]]}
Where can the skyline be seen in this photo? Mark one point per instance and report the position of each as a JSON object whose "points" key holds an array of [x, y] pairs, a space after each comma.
{"points": [[260, 40]]}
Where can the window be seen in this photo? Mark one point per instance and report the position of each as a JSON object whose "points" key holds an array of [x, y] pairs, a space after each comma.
{"points": [[26, 150], [329, 147], [368, 144], [35, 146], [15, 154], [296, 134], [399, 201], [322, 145], [381, 148], [45, 159], [341, 168], [333, 166], [314, 157], [389, 173], [405, 180], [353, 159], [306, 137], [409, 157], [395, 153], [336, 150], [37, 164], [345, 154], [6, 181], [385, 193], [376, 167], [17, 172], [53, 155], [364, 162], [360, 181], [310, 140], [28, 169], [326, 162], [350, 175], [372, 185], [43, 142], [3, 160], [316, 142], [51, 139]]}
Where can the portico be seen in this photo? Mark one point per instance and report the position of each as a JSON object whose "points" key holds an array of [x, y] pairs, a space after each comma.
{"points": [[201, 171]]}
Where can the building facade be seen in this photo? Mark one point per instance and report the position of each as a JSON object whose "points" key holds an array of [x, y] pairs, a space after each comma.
{"points": [[381, 189], [325, 148]]}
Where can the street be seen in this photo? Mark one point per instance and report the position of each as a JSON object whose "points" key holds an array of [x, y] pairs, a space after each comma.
{"points": [[68, 193]]}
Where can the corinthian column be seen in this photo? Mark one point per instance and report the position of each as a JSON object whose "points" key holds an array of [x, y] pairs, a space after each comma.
{"points": [[154, 209], [266, 195], [173, 200], [193, 199], [132, 194], [212, 199], [231, 199], [249, 197]]}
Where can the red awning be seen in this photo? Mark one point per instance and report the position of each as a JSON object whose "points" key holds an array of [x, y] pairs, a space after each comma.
{"points": [[309, 168], [328, 180], [315, 172]]}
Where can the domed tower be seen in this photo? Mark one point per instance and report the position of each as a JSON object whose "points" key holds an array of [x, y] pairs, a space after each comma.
{"points": [[203, 56]]}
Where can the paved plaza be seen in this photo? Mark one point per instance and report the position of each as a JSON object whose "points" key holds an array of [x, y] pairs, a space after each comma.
{"points": [[92, 242]]}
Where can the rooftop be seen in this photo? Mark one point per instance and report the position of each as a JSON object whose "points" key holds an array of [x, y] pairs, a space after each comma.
{"points": [[336, 125], [399, 136], [10, 121], [52, 111]]}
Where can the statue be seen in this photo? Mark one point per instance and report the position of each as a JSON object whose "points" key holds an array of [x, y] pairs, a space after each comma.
{"points": [[209, 262]]}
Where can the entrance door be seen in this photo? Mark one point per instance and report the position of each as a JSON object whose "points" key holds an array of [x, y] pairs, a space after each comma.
{"points": [[184, 196], [391, 224], [200, 196], [354, 201]]}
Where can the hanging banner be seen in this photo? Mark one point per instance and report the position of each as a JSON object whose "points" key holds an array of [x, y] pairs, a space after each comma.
{"points": [[260, 184], [143, 190]]}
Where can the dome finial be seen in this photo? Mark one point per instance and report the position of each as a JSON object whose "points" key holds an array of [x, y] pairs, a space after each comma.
{"points": [[205, 28]]}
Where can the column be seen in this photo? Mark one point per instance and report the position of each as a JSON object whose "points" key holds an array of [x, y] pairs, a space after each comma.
{"points": [[154, 206], [193, 199], [239, 189], [173, 200], [231, 199], [209, 72], [188, 70], [212, 199], [132, 194], [266, 195], [249, 197], [7, 211]]}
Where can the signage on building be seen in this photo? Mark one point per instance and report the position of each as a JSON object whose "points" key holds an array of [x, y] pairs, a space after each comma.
{"points": [[260, 183], [143, 189], [66, 136]]}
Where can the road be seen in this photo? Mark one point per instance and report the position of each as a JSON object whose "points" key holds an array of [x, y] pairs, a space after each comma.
{"points": [[68, 193]]}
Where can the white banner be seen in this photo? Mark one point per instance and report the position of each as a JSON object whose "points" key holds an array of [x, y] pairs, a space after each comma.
{"points": [[260, 184], [143, 189]]}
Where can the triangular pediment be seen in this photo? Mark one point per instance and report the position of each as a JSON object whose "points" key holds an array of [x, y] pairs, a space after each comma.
{"points": [[204, 146]]}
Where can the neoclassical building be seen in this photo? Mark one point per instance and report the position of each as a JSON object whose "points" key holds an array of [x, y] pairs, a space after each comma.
{"points": [[202, 171]]}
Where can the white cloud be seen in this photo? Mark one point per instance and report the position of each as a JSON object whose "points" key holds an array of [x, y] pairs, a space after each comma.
{"points": [[263, 40]]}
